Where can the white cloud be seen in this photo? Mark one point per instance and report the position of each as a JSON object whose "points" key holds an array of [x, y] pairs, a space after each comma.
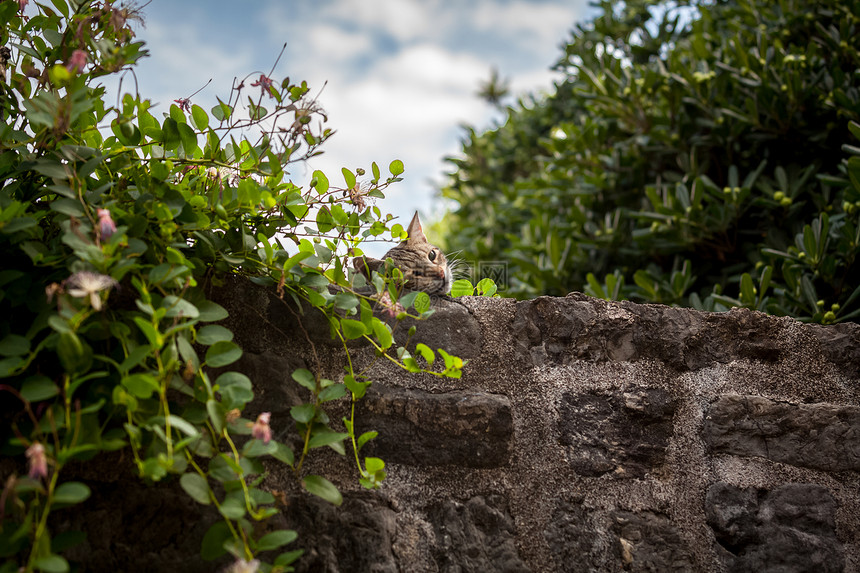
{"points": [[402, 74]]}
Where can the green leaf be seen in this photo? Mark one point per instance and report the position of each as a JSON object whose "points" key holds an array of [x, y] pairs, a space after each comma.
{"points": [[276, 539], [75, 354], [321, 487], [222, 353], [304, 377], [284, 454], [345, 301], [288, 557], [171, 139], [486, 287], [421, 302], [178, 307], [462, 287], [232, 508], [141, 385], [201, 120], [38, 388], [51, 564], [71, 492], [303, 413], [352, 328], [221, 111], [196, 486], [211, 312], [216, 415], [319, 182], [382, 333], [256, 448], [212, 333], [365, 437], [348, 177], [425, 352], [396, 167], [332, 393], [373, 465], [325, 438], [212, 546]]}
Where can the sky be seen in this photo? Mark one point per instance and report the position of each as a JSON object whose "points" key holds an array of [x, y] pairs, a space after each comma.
{"points": [[400, 76]]}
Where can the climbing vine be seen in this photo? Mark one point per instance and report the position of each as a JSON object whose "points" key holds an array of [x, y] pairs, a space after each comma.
{"points": [[114, 222]]}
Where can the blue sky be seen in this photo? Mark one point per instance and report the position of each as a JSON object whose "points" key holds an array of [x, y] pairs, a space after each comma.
{"points": [[401, 74]]}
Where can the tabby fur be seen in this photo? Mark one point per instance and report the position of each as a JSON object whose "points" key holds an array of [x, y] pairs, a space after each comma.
{"points": [[423, 265]]}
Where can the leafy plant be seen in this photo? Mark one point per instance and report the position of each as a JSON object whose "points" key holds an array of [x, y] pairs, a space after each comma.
{"points": [[113, 223], [695, 154]]}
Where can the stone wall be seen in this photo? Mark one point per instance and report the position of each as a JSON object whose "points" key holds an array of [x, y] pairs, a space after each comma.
{"points": [[584, 435]]}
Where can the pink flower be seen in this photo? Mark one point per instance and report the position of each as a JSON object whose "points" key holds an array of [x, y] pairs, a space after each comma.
{"points": [[38, 461], [77, 61], [183, 103], [265, 84], [261, 429], [390, 307], [106, 225], [21, 4]]}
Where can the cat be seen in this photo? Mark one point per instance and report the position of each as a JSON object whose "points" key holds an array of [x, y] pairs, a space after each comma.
{"points": [[423, 265]]}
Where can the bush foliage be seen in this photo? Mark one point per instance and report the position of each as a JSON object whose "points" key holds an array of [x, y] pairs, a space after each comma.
{"points": [[696, 153], [115, 222]]}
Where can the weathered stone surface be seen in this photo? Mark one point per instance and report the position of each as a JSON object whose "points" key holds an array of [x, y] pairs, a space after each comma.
{"points": [[562, 398], [477, 535], [579, 327], [791, 528], [626, 432], [574, 539], [451, 328], [133, 526], [649, 541], [841, 343], [819, 436], [469, 429], [357, 536]]}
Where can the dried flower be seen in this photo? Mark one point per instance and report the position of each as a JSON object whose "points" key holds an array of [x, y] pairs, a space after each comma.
{"points": [[265, 84], [106, 225], [88, 284], [77, 61], [183, 103], [53, 290], [242, 566], [261, 429], [232, 415], [38, 461]]}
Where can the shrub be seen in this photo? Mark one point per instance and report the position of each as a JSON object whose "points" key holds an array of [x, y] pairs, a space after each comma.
{"points": [[695, 154]]}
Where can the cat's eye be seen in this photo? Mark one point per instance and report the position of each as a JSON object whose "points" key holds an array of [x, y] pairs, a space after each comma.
{"points": [[432, 255]]}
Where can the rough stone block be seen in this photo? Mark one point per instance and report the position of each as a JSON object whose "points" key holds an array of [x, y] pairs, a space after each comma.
{"points": [[626, 433], [818, 436], [579, 327], [357, 536], [649, 541], [478, 535], [790, 528], [574, 540], [469, 429]]}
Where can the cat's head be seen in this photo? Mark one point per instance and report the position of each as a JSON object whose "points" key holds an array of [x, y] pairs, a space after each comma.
{"points": [[423, 265], [428, 269]]}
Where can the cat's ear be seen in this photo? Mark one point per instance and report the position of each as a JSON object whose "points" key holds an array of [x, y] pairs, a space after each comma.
{"points": [[416, 234]]}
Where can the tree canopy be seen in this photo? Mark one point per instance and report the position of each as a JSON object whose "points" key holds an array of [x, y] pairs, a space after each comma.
{"points": [[696, 154]]}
